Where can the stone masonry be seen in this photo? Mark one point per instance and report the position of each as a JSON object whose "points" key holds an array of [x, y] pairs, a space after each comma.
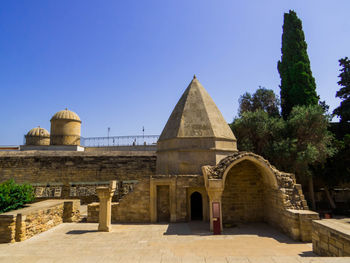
{"points": [[331, 237], [21, 224]]}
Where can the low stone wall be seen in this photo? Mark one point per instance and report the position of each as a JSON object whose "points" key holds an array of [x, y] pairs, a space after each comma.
{"points": [[331, 237], [21, 224], [298, 223]]}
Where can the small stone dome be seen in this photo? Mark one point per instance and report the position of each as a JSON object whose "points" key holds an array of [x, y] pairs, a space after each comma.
{"points": [[65, 115], [38, 136], [38, 132]]}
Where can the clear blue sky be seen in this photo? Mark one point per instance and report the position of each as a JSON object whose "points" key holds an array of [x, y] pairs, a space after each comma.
{"points": [[125, 64]]}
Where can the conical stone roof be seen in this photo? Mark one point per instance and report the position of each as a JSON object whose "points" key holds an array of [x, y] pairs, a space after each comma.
{"points": [[196, 115], [195, 135]]}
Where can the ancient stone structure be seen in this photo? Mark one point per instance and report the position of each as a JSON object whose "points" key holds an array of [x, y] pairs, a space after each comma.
{"points": [[21, 224], [331, 237], [245, 186], [65, 128], [197, 165], [105, 195], [196, 134], [38, 136]]}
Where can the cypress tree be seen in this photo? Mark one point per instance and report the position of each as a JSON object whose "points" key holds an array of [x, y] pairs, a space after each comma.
{"points": [[343, 111], [298, 86]]}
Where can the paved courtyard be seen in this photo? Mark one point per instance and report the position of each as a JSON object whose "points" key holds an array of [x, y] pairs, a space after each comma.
{"points": [[180, 242]]}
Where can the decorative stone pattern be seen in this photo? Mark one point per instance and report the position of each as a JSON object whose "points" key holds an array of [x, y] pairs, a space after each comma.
{"points": [[48, 191], [331, 237], [21, 224]]}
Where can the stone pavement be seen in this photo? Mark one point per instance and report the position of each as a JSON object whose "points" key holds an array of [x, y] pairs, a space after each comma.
{"points": [[181, 242]]}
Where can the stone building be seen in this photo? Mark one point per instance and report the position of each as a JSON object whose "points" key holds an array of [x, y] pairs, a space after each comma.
{"points": [[38, 136], [196, 167], [65, 128]]}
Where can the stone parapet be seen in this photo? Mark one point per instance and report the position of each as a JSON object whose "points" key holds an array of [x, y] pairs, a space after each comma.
{"points": [[298, 223], [331, 237], [21, 224]]}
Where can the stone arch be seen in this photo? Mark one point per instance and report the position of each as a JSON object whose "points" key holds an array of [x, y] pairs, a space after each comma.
{"points": [[246, 194], [268, 174], [283, 203]]}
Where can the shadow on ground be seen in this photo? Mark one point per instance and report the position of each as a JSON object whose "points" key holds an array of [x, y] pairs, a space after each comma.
{"points": [[80, 232], [254, 229]]}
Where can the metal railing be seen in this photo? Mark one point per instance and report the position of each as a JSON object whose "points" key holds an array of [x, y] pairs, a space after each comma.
{"points": [[128, 140]]}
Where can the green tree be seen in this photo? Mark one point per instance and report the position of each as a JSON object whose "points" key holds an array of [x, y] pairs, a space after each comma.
{"points": [[298, 86], [343, 111], [292, 145], [263, 99], [256, 131], [308, 126], [13, 196]]}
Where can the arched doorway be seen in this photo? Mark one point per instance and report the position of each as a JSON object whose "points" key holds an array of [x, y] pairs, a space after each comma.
{"points": [[243, 196], [196, 206]]}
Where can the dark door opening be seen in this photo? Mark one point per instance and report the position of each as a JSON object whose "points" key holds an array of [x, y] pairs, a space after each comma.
{"points": [[196, 206]]}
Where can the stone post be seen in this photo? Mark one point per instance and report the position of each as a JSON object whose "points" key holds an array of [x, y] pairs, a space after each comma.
{"points": [[105, 195], [215, 190]]}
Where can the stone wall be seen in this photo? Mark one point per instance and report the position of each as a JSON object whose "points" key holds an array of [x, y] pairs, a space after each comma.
{"points": [[21, 224], [163, 203], [243, 196], [75, 174], [135, 207], [331, 237]]}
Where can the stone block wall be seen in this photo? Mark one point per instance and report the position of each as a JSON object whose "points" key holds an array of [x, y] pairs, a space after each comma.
{"points": [[70, 175], [7, 228], [21, 224], [331, 237], [243, 196], [298, 223], [133, 207], [183, 183]]}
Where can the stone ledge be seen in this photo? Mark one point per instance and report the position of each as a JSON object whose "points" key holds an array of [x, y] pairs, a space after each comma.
{"points": [[21, 224], [339, 226], [331, 237]]}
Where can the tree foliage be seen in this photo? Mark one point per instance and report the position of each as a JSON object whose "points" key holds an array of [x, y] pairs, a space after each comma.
{"points": [[343, 111], [298, 86], [13, 196], [292, 145], [263, 99]]}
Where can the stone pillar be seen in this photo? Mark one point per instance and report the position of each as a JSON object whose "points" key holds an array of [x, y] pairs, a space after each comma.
{"points": [[215, 190], [105, 195]]}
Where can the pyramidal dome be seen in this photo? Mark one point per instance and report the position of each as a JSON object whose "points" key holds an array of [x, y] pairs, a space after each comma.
{"points": [[196, 134], [196, 115]]}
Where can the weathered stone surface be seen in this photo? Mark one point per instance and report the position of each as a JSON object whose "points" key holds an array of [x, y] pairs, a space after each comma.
{"points": [[196, 134], [76, 174], [331, 237], [21, 224]]}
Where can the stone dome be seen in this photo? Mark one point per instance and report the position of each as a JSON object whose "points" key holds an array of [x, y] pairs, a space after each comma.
{"points": [[38, 132], [38, 136], [66, 115]]}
